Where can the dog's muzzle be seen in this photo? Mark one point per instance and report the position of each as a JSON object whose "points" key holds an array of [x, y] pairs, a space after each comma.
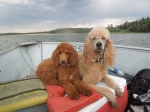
{"points": [[98, 46], [63, 63]]}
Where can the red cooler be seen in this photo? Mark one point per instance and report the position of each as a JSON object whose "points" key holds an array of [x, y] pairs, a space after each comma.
{"points": [[102, 105], [57, 102]]}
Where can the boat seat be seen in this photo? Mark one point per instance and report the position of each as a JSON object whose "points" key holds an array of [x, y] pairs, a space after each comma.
{"points": [[22, 93]]}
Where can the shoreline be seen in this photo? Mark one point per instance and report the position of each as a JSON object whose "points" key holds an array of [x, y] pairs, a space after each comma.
{"points": [[42, 34], [70, 33]]}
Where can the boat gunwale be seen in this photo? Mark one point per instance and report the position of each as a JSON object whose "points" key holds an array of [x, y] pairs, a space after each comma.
{"points": [[132, 47], [15, 47], [7, 50], [116, 46]]}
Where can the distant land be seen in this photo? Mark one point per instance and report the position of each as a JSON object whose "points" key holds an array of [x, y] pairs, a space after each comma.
{"points": [[142, 25]]}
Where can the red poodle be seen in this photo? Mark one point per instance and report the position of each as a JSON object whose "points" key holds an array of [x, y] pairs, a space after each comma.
{"points": [[62, 69]]}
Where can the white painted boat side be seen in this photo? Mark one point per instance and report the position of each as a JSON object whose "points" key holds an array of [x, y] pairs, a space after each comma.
{"points": [[22, 60]]}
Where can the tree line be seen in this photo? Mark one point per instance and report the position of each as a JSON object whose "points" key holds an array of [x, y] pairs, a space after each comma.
{"points": [[56, 31], [142, 25], [70, 30]]}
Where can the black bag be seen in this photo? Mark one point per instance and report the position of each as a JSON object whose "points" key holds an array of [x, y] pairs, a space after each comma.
{"points": [[140, 85]]}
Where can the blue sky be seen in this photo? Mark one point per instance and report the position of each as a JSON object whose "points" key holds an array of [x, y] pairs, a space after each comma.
{"points": [[45, 15]]}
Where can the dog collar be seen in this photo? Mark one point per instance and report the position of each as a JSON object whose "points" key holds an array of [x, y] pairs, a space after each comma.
{"points": [[98, 60], [66, 65]]}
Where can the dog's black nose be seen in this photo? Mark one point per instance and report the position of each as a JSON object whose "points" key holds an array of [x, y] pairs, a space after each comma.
{"points": [[98, 44], [63, 61]]}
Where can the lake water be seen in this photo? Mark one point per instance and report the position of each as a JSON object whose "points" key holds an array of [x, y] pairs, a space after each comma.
{"points": [[127, 39]]}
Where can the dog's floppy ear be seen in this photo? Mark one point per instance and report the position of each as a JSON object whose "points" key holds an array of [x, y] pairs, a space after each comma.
{"points": [[55, 57], [73, 58], [109, 54]]}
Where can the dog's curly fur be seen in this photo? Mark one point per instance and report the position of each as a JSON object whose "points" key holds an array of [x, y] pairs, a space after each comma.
{"points": [[62, 69], [93, 72]]}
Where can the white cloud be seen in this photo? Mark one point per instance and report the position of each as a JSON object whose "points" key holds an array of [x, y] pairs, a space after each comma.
{"points": [[102, 22], [48, 25], [17, 2], [42, 15], [36, 26], [46, 7]]}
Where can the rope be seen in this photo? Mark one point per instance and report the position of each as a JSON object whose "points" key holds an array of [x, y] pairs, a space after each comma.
{"points": [[26, 60], [41, 51]]}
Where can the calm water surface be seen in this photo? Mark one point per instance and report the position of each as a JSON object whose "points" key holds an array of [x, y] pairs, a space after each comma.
{"points": [[127, 39]]}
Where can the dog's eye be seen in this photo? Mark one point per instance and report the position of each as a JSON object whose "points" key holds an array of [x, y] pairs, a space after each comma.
{"points": [[59, 52], [67, 52], [94, 38], [103, 38]]}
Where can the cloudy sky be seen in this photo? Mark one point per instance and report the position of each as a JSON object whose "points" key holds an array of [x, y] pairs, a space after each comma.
{"points": [[45, 15]]}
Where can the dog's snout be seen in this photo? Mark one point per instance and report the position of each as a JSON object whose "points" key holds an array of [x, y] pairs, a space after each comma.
{"points": [[98, 44], [63, 61]]}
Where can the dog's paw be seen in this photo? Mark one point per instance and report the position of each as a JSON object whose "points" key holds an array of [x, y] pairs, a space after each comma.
{"points": [[86, 92], [112, 99], [114, 104], [74, 95], [118, 92]]}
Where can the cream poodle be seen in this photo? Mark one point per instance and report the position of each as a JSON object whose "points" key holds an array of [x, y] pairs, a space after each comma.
{"points": [[98, 54]]}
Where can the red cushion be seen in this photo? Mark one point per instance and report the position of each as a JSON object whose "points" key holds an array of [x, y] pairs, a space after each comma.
{"points": [[57, 102]]}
